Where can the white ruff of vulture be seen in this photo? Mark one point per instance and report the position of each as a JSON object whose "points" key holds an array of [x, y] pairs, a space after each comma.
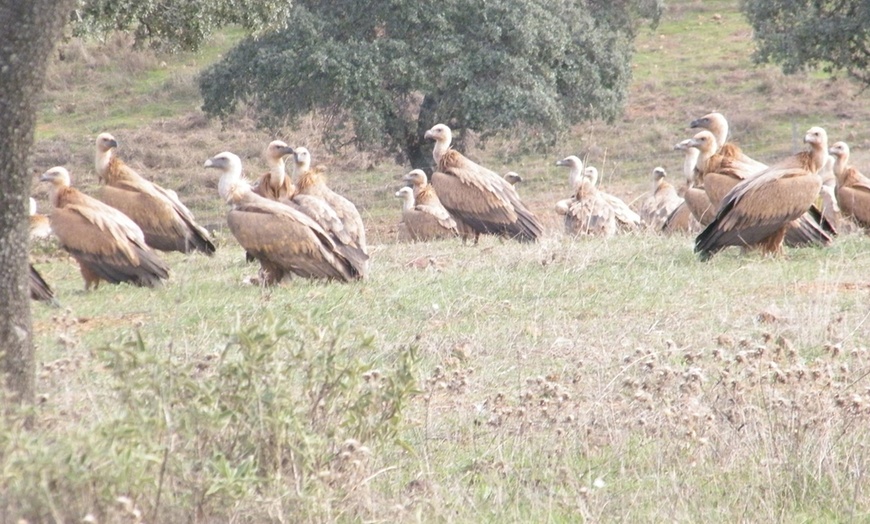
{"points": [[683, 218], [661, 202], [626, 218], [275, 184], [283, 239], [477, 197], [420, 223], [758, 211], [587, 212], [853, 187], [104, 241], [39, 224], [167, 223], [310, 182]]}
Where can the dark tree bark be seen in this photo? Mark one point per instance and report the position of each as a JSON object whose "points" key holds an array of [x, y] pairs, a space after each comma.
{"points": [[30, 30]]}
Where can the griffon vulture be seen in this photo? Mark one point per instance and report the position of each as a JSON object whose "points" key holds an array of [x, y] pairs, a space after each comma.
{"points": [[481, 199], [661, 202], [423, 223], [717, 124], [758, 211], [167, 223], [626, 218], [424, 195], [275, 184], [283, 239], [107, 244], [310, 182], [853, 187], [586, 213]]}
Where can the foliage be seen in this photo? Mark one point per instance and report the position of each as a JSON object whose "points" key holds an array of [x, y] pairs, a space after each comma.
{"points": [[388, 71], [175, 24], [293, 408], [809, 33]]}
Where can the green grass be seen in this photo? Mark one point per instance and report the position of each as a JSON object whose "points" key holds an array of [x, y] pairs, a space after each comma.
{"points": [[596, 380]]}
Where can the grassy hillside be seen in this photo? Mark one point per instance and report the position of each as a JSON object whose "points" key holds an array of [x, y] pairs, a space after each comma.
{"points": [[594, 380]]}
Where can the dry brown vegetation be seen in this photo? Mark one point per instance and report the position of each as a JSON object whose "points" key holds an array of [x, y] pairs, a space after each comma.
{"points": [[597, 380]]}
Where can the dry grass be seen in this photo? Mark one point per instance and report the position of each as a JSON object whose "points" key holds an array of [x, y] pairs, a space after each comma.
{"points": [[597, 380]]}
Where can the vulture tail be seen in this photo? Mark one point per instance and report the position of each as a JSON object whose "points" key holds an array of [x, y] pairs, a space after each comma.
{"points": [[39, 289]]}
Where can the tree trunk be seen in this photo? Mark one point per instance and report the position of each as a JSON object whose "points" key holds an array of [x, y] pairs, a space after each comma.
{"points": [[30, 30], [418, 150]]}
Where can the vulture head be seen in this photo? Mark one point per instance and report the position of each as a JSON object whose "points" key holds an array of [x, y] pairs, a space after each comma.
{"points": [[302, 158], [715, 123], [840, 150], [576, 167], [592, 174], [277, 150], [58, 176], [106, 142], [658, 174], [817, 136], [442, 136], [416, 178], [230, 166], [407, 196], [513, 178], [705, 142]]}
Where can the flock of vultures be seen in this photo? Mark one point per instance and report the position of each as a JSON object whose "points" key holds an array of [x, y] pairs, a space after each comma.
{"points": [[294, 224]]}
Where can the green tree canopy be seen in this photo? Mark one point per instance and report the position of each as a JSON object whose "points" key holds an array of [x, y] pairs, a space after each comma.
{"points": [[834, 35], [175, 24], [391, 69]]}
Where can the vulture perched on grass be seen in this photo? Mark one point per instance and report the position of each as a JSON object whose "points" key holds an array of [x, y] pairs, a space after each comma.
{"points": [[424, 223], [662, 201], [759, 211], [481, 199], [626, 218], [167, 223], [310, 183], [107, 244], [853, 187], [40, 227], [283, 239], [275, 184], [425, 195], [586, 212]]}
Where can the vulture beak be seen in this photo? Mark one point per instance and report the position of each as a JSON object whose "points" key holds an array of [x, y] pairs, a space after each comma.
{"points": [[560, 162], [45, 177], [112, 143], [429, 135], [287, 151], [211, 162], [699, 122]]}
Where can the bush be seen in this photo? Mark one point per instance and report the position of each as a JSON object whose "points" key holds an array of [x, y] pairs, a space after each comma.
{"points": [[283, 414]]}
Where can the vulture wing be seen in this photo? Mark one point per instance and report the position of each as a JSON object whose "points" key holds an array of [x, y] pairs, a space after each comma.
{"points": [[482, 199], [760, 207], [108, 246]]}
